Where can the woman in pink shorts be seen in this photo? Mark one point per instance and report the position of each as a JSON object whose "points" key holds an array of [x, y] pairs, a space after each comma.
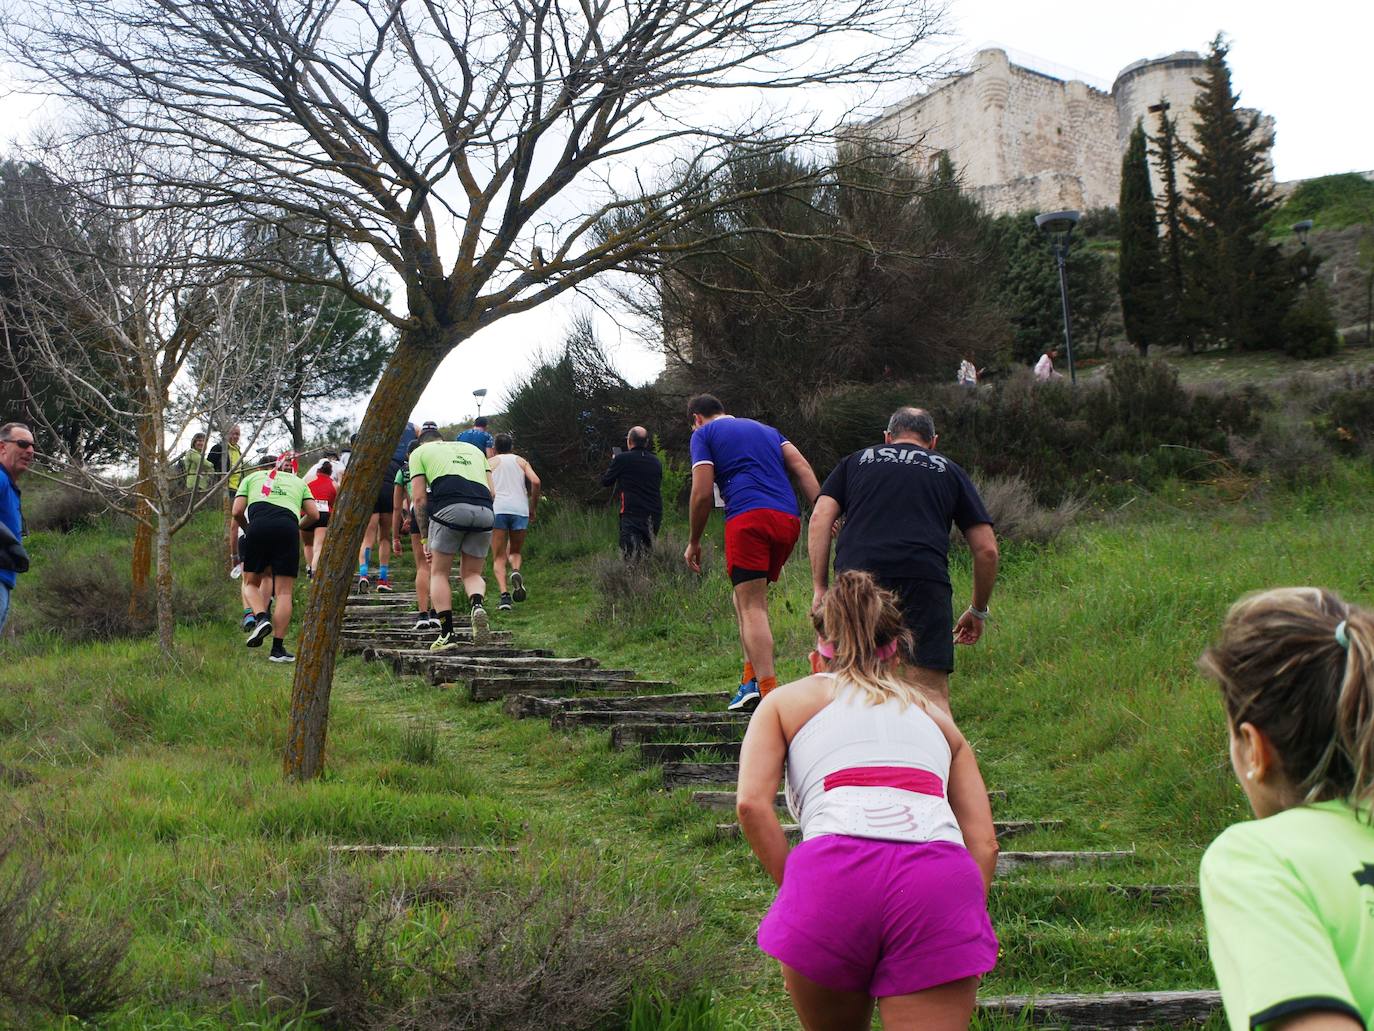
{"points": [[886, 896]]}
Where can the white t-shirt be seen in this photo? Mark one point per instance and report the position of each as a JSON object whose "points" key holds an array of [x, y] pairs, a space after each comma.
{"points": [[1044, 368], [509, 480]]}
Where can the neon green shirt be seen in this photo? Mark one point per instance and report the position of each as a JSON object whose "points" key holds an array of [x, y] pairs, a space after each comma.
{"points": [[455, 473], [288, 491], [1289, 903], [403, 480]]}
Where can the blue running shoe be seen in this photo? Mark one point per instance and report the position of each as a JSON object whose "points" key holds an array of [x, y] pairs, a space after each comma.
{"points": [[746, 698]]}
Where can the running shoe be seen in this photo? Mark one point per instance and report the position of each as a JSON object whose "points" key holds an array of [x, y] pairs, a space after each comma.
{"points": [[444, 643], [262, 629], [364, 585], [309, 573], [423, 623], [479, 623], [505, 604], [249, 621], [236, 571], [746, 698], [383, 586], [517, 586], [281, 656], [435, 623]]}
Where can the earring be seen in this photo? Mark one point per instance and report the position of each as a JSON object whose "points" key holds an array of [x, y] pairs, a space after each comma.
{"points": [[1250, 775]]}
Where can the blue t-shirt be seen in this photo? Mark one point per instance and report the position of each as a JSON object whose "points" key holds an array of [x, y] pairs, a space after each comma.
{"points": [[480, 439], [749, 467], [11, 517]]}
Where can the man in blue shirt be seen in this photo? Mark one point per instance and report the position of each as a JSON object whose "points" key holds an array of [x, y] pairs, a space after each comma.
{"points": [[751, 464], [478, 436], [16, 455]]}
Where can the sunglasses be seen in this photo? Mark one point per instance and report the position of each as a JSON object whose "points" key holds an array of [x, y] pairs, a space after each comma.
{"points": [[22, 445]]}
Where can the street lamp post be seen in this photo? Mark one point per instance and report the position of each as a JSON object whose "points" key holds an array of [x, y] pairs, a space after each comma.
{"points": [[1058, 226], [479, 393], [1300, 230]]}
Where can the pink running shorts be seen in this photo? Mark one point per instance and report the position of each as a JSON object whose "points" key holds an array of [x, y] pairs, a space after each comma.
{"points": [[882, 917]]}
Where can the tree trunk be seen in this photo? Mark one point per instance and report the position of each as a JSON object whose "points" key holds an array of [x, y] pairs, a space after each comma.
{"points": [[142, 563], [405, 378], [166, 618], [297, 425]]}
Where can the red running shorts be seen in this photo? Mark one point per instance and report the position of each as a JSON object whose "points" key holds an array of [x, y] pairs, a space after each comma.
{"points": [[758, 543]]}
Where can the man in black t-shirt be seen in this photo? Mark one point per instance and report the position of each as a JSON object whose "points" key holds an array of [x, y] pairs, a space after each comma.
{"points": [[637, 476], [898, 501]]}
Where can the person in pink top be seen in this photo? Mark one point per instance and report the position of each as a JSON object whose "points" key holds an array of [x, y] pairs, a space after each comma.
{"points": [[886, 896]]}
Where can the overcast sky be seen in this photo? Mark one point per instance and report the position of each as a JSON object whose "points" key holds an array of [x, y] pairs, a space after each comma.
{"points": [[1306, 65]]}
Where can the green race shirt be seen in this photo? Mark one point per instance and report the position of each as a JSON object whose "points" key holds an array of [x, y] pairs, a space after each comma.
{"points": [[455, 473], [1289, 904], [403, 480], [289, 491]]}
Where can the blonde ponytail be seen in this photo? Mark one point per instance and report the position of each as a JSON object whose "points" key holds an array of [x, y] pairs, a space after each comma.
{"points": [[862, 621]]}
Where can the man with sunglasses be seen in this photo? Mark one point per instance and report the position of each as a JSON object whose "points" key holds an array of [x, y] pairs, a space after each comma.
{"points": [[16, 455]]}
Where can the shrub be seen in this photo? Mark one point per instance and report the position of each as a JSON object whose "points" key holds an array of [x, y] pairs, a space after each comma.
{"points": [[655, 578], [86, 598], [1019, 518], [60, 508], [54, 963], [1309, 327], [1345, 417], [506, 952]]}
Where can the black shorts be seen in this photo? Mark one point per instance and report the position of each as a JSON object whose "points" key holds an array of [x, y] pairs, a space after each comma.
{"points": [[272, 542], [927, 611], [383, 505], [322, 523]]}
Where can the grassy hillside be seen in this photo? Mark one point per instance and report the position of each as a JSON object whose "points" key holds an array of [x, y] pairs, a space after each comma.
{"points": [[153, 791]]}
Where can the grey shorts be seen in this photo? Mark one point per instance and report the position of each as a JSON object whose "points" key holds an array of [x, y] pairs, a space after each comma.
{"points": [[468, 530]]}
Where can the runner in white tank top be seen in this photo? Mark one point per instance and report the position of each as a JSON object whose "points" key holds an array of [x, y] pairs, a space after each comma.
{"points": [[886, 896], [514, 501]]}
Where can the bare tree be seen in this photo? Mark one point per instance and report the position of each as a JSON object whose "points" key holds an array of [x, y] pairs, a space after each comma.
{"points": [[119, 294], [442, 137]]}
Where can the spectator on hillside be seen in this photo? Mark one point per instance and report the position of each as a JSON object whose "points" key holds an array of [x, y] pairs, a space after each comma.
{"points": [[886, 896], [636, 474], [1044, 368], [196, 467], [967, 375], [16, 455], [898, 502], [225, 457], [1289, 896], [478, 437]]}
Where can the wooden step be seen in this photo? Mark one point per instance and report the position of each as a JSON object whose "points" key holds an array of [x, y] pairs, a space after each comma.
{"points": [[490, 689], [685, 774], [522, 706], [601, 717], [1009, 861], [1005, 829], [726, 799], [441, 673], [369, 648], [717, 731], [652, 753], [1113, 1011]]}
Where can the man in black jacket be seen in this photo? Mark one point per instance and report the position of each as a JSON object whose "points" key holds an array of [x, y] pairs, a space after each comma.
{"points": [[637, 476]]}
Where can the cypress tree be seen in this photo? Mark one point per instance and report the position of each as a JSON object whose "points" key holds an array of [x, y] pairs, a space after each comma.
{"points": [[1238, 286], [1138, 273], [1165, 148]]}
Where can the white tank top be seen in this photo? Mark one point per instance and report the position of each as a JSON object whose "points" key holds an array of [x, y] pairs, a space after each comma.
{"points": [[871, 771], [509, 480]]}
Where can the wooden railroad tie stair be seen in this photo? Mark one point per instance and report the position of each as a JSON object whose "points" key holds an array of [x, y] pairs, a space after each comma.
{"points": [[696, 743]]}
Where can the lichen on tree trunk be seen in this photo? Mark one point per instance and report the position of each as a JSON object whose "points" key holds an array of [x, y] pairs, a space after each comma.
{"points": [[406, 376], [141, 565]]}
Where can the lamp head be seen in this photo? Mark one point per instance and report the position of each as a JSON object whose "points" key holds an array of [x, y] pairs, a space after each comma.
{"points": [[1056, 222]]}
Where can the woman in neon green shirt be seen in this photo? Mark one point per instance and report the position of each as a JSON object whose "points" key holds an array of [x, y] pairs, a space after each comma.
{"points": [[1289, 896]]}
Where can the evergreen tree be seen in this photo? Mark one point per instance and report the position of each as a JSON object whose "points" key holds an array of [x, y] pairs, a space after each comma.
{"points": [[1166, 150], [1138, 273], [1238, 287]]}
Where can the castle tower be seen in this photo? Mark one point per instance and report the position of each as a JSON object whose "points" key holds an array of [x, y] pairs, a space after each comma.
{"points": [[1145, 84]]}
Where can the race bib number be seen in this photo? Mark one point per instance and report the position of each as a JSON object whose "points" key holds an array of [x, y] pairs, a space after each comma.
{"points": [[323, 506]]}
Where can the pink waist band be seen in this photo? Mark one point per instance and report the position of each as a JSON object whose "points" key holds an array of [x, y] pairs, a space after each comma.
{"points": [[904, 778]]}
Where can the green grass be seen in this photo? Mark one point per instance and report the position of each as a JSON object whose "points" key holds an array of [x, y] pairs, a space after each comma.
{"points": [[159, 802]]}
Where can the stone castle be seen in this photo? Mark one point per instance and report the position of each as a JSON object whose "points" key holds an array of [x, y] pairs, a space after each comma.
{"points": [[1025, 140]]}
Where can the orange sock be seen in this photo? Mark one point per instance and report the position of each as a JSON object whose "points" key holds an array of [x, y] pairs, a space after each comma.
{"points": [[767, 684], [748, 672]]}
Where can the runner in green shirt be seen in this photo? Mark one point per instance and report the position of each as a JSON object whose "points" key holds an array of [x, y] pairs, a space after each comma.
{"points": [[1289, 896], [273, 505], [452, 496]]}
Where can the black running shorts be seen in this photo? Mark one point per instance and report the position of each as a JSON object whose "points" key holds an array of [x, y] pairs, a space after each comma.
{"points": [[272, 542], [928, 613], [383, 505]]}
